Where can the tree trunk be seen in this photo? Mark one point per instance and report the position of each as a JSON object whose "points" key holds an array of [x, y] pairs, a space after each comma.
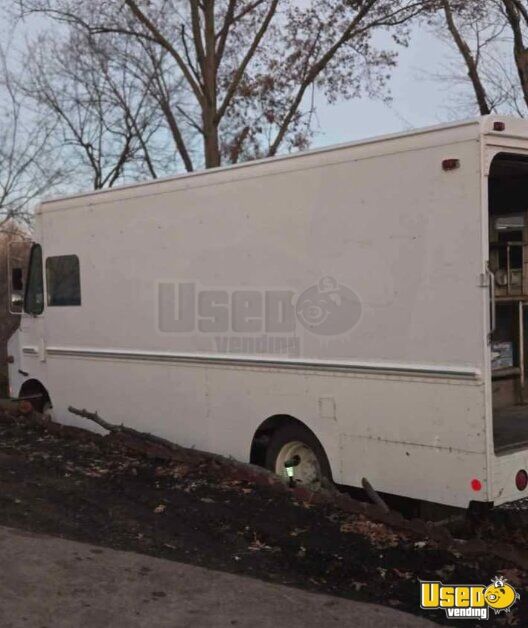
{"points": [[465, 51], [211, 144], [210, 110], [519, 49]]}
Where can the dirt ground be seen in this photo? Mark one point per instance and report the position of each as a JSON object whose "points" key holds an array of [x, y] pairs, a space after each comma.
{"points": [[96, 489]]}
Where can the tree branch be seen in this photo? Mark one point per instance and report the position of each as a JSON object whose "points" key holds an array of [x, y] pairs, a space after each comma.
{"points": [[231, 90], [163, 41], [471, 64]]}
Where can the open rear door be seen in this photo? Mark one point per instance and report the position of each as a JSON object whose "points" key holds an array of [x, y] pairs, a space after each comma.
{"points": [[508, 255]]}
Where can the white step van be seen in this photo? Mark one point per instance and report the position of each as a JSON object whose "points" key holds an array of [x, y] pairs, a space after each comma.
{"points": [[352, 312]]}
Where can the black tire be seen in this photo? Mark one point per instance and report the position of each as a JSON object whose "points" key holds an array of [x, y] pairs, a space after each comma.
{"points": [[40, 403], [292, 433]]}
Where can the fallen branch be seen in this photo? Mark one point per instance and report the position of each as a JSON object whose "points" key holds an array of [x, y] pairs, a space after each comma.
{"points": [[374, 496], [247, 472], [129, 431]]}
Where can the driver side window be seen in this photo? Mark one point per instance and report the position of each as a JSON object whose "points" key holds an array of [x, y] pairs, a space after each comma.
{"points": [[34, 298]]}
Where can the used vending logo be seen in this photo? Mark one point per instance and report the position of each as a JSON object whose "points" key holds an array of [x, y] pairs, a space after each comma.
{"points": [[327, 308], [461, 601]]}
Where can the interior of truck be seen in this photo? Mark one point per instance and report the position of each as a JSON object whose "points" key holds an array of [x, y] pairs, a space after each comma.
{"points": [[508, 263]]}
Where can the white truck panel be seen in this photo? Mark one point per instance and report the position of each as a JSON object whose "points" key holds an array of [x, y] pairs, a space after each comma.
{"points": [[402, 398]]}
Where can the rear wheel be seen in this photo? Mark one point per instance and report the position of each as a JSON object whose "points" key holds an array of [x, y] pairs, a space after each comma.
{"points": [[295, 453]]}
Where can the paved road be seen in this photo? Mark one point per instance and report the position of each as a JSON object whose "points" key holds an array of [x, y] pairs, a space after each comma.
{"points": [[53, 583]]}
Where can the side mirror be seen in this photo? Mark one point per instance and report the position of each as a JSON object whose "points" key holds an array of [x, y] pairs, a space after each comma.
{"points": [[17, 301]]}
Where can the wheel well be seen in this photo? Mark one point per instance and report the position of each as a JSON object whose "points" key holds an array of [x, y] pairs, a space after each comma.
{"points": [[265, 430], [33, 388]]}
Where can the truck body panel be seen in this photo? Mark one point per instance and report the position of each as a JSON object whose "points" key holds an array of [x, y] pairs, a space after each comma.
{"points": [[400, 393]]}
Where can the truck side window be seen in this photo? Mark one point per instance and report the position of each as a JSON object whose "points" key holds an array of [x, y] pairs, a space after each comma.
{"points": [[34, 297], [63, 280]]}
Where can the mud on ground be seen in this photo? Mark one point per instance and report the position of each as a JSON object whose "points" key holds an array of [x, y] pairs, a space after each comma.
{"points": [[72, 483]]}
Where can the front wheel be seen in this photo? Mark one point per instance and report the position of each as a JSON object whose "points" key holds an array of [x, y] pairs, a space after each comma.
{"points": [[294, 453], [43, 405], [47, 411]]}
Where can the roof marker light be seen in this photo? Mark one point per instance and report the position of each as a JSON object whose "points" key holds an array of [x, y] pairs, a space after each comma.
{"points": [[451, 164]]}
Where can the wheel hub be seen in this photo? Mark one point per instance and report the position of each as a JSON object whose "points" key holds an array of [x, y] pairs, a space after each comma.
{"points": [[298, 462]]}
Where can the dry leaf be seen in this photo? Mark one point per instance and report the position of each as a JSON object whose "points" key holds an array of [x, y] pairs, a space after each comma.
{"points": [[445, 572], [406, 575], [379, 534], [357, 586]]}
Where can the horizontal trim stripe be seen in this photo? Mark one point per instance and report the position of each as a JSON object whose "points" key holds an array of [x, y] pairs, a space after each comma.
{"points": [[444, 372]]}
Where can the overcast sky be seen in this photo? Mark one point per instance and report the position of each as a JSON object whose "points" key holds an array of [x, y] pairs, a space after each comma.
{"points": [[418, 98]]}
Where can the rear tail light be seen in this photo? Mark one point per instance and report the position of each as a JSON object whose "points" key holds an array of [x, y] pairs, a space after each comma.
{"points": [[476, 485], [521, 480]]}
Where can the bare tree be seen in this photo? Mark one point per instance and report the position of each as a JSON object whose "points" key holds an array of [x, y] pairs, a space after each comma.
{"points": [[249, 67], [27, 170], [106, 120], [471, 58], [491, 37], [516, 13]]}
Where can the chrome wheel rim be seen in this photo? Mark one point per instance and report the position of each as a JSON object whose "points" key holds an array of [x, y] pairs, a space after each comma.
{"points": [[307, 471]]}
